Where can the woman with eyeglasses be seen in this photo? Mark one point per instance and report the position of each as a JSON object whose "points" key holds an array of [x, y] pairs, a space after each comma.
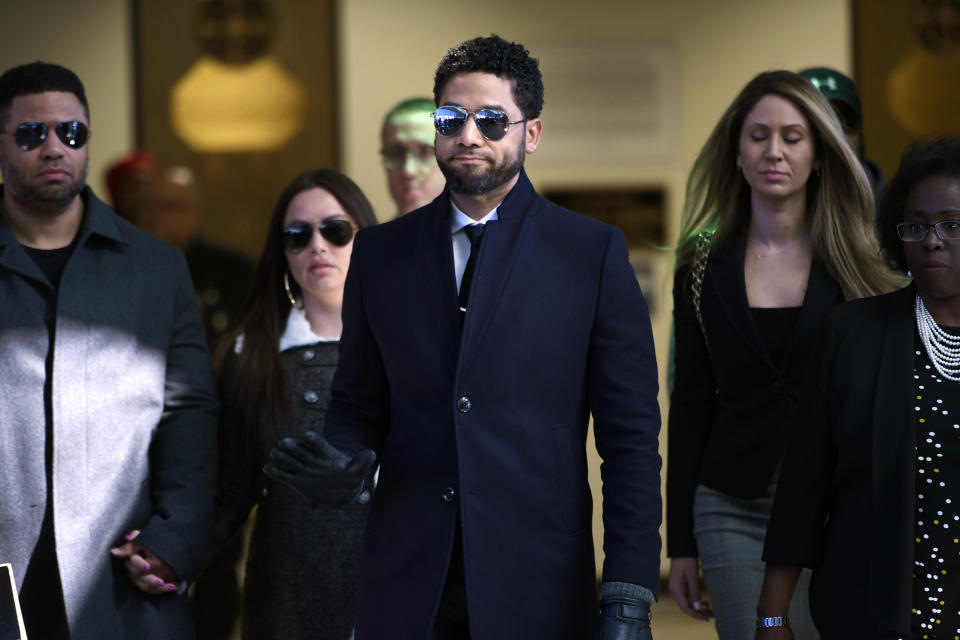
{"points": [[868, 496], [776, 229], [301, 574]]}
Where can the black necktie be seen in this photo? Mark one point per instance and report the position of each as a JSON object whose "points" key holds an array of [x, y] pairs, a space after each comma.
{"points": [[475, 234]]}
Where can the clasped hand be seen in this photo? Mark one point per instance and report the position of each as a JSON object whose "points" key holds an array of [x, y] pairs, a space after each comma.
{"points": [[318, 471], [148, 572]]}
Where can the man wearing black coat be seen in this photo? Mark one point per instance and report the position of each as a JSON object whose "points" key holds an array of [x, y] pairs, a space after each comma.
{"points": [[107, 408], [480, 334]]}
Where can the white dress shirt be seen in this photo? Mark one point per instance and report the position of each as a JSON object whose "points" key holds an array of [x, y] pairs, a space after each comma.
{"points": [[461, 243]]}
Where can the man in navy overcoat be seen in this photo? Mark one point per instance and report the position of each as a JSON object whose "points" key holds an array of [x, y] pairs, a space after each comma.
{"points": [[478, 407]]}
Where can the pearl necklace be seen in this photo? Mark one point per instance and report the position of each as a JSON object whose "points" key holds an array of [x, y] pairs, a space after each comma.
{"points": [[943, 349]]}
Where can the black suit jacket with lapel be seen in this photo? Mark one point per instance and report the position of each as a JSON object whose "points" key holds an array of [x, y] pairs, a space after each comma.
{"points": [[845, 500], [730, 403], [489, 422]]}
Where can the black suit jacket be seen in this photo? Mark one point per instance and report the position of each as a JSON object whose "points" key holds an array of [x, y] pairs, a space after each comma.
{"points": [[491, 427], [845, 501], [729, 405]]}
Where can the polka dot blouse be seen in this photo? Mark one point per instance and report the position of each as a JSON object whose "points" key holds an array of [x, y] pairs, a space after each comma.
{"points": [[936, 575]]}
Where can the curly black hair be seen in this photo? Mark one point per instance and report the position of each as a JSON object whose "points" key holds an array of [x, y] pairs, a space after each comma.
{"points": [[919, 161], [38, 77], [508, 60]]}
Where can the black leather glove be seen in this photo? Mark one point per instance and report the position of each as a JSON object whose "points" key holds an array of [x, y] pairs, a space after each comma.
{"points": [[624, 618], [320, 472]]}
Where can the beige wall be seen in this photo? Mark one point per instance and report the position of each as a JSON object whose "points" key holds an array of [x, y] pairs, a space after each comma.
{"points": [[390, 50], [93, 39]]}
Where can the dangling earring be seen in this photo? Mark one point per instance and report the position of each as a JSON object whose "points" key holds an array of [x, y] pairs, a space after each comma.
{"points": [[286, 287]]}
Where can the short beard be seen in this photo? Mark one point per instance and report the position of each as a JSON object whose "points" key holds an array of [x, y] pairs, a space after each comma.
{"points": [[50, 199], [470, 183]]}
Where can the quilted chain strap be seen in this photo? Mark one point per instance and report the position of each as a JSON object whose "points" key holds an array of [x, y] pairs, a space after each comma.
{"points": [[697, 274]]}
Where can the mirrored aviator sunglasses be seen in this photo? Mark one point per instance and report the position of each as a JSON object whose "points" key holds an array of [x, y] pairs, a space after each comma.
{"points": [[31, 135], [338, 232], [492, 123]]}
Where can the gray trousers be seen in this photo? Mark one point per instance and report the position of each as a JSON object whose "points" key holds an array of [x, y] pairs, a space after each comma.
{"points": [[730, 533]]}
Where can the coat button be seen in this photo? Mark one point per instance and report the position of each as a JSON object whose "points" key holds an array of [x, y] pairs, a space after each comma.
{"points": [[307, 355], [448, 494], [464, 404], [264, 492], [311, 396]]}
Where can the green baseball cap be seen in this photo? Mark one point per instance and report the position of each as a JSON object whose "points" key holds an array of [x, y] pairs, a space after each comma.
{"points": [[837, 88]]}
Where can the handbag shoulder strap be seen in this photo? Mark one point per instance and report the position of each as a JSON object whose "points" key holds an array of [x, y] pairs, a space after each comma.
{"points": [[697, 274]]}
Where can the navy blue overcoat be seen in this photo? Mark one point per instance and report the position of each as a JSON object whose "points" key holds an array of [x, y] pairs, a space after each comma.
{"points": [[490, 420]]}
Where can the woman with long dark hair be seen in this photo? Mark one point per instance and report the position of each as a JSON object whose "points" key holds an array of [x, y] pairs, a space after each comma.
{"points": [[275, 378]]}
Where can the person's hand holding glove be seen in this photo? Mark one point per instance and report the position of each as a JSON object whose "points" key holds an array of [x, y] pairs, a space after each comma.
{"points": [[320, 472]]}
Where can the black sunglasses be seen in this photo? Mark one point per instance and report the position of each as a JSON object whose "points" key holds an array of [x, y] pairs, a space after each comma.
{"points": [[31, 135], [336, 231], [492, 123]]}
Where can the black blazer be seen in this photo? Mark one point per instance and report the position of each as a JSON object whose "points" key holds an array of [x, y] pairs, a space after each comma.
{"points": [[729, 405], [491, 427], [845, 500]]}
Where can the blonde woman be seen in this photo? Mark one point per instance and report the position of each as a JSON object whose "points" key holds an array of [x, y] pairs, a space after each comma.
{"points": [[776, 229]]}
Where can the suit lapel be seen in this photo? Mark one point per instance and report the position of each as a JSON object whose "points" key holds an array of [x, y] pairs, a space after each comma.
{"points": [[893, 440], [501, 244], [435, 253], [728, 283], [731, 289], [822, 293]]}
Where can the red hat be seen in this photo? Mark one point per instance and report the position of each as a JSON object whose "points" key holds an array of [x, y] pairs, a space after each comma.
{"points": [[122, 169]]}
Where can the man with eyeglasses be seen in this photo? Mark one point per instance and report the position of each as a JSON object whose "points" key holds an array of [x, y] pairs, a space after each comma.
{"points": [[107, 408], [480, 333], [413, 177]]}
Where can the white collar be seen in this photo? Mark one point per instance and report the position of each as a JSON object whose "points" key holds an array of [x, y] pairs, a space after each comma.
{"points": [[459, 219], [297, 333]]}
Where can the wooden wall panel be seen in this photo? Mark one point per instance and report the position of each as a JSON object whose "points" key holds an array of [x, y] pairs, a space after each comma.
{"points": [[885, 40], [239, 189]]}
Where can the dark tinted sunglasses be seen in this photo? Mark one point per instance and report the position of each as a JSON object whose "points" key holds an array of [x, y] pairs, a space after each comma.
{"points": [[31, 135], [492, 123], [336, 231]]}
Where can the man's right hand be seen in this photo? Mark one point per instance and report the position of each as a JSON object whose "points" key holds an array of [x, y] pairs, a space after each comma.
{"points": [[318, 471], [685, 587]]}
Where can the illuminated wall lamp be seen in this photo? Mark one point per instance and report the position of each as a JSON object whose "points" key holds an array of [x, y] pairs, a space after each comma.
{"points": [[216, 107], [924, 95]]}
